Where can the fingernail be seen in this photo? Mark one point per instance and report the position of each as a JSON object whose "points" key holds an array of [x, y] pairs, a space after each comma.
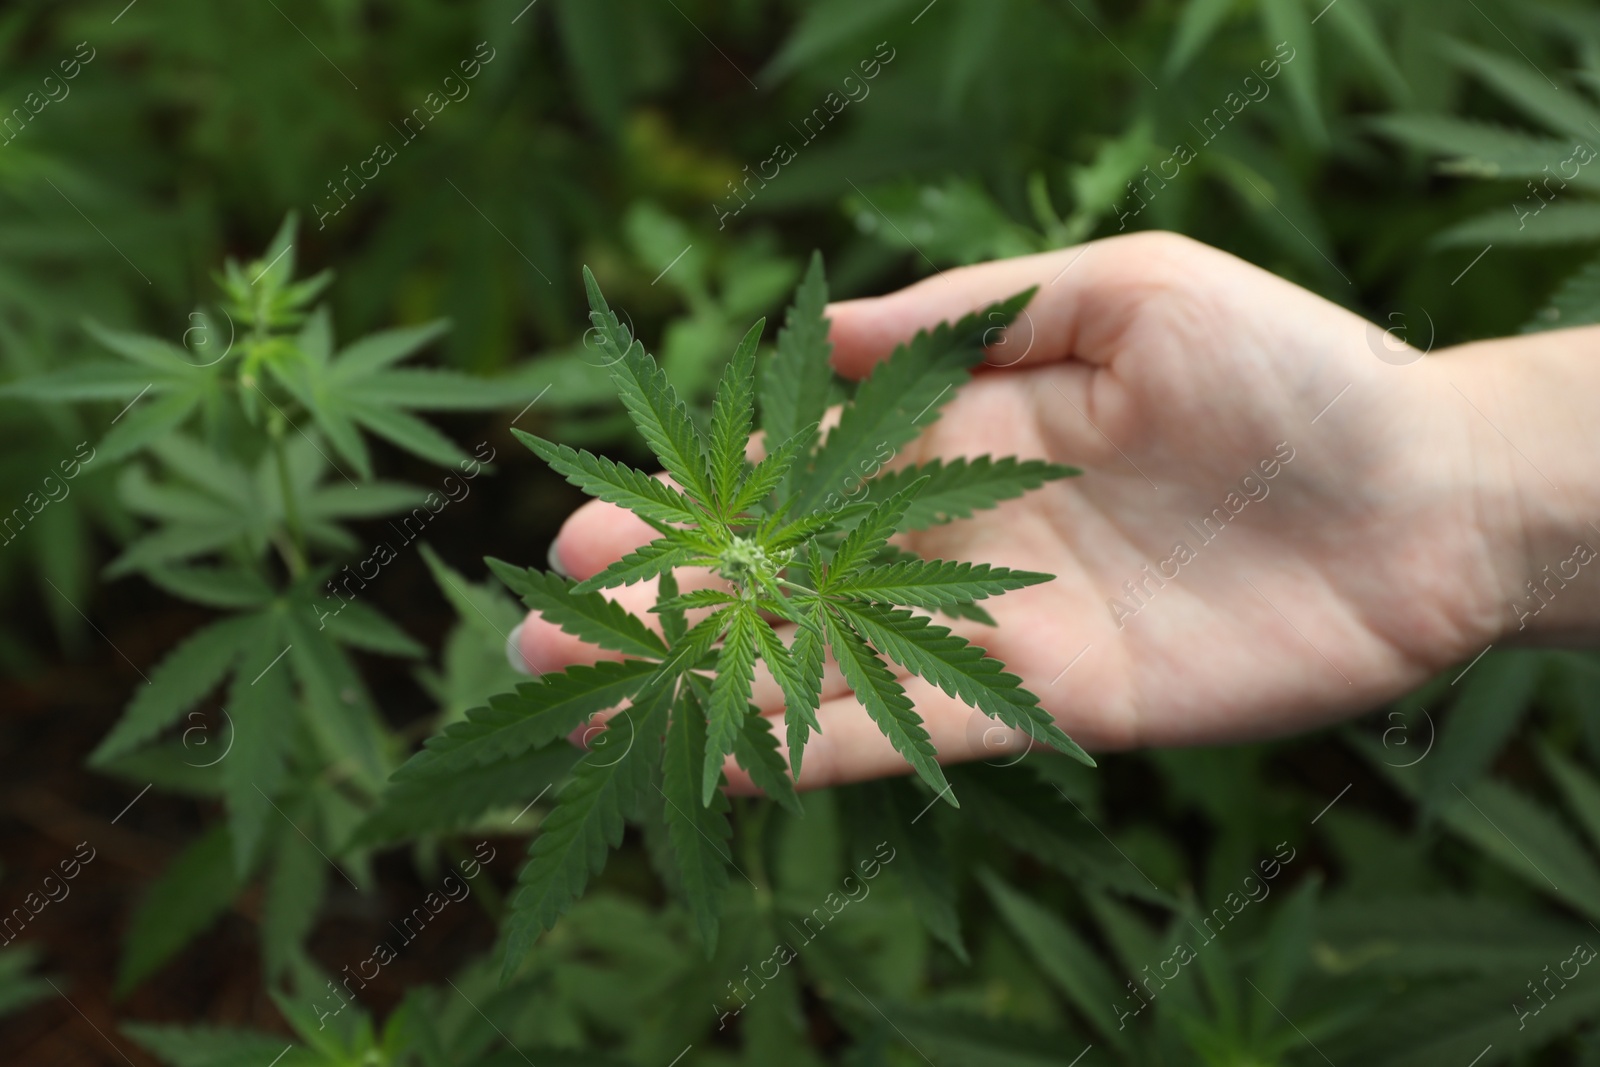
{"points": [[554, 558], [514, 652]]}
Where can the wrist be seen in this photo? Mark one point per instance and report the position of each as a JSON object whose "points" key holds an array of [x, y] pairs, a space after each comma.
{"points": [[1533, 464]]}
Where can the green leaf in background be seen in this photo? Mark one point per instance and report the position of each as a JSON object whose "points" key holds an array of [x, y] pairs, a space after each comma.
{"points": [[194, 890], [1062, 956], [188, 673], [1197, 22], [1494, 696]]}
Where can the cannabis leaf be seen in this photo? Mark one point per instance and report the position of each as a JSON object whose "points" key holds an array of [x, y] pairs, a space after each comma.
{"points": [[785, 572]]}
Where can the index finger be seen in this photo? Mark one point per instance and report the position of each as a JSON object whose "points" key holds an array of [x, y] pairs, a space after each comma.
{"points": [[1087, 295], [866, 330]]}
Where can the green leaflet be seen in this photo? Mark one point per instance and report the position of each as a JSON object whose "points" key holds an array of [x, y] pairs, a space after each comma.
{"points": [[730, 695], [1480, 149], [1288, 952], [336, 707], [260, 737], [1581, 790], [215, 587], [902, 395], [1196, 25], [189, 672], [732, 413], [1066, 960], [699, 834], [655, 558], [756, 749], [151, 422], [674, 624], [194, 889], [1491, 699], [657, 410], [1288, 21], [1561, 223], [886, 702], [960, 669], [799, 674], [585, 824], [956, 489], [1038, 819], [359, 626], [296, 884], [455, 802], [378, 351], [869, 537], [769, 474], [212, 1046], [1575, 303], [360, 387], [1528, 840], [539, 712], [795, 382], [647, 497], [700, 598], [933, 583], [586, 615], [896, 809], [1559, 111]]}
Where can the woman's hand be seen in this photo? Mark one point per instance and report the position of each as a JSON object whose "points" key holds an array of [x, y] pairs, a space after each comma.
{"points": [[1275, 527]]}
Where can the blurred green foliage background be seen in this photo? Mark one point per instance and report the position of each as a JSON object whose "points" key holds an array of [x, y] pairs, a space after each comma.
{"points": [[621, 133]]}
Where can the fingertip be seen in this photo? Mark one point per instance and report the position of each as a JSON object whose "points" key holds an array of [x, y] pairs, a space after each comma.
{"points": [[862, 333], [546, 647], [596, 536], [553, 559], [514, 656]]}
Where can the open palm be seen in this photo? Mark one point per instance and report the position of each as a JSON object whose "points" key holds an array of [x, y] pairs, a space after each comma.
{"points": [[1270, 531]]}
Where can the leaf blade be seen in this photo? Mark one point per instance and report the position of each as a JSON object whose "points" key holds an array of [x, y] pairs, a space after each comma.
{"points": [[961, 669], [585, 824], [587, 615], [699, 835], [732, 411], [730, 696], [886, 702], [538, 712]]}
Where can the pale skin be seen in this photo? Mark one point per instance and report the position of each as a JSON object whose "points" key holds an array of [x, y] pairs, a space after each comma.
{"points": [[1423, 493]]}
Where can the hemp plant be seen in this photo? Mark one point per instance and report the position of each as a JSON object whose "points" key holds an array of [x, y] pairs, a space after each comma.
{"points": [[245, 450], [787, 569]]}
